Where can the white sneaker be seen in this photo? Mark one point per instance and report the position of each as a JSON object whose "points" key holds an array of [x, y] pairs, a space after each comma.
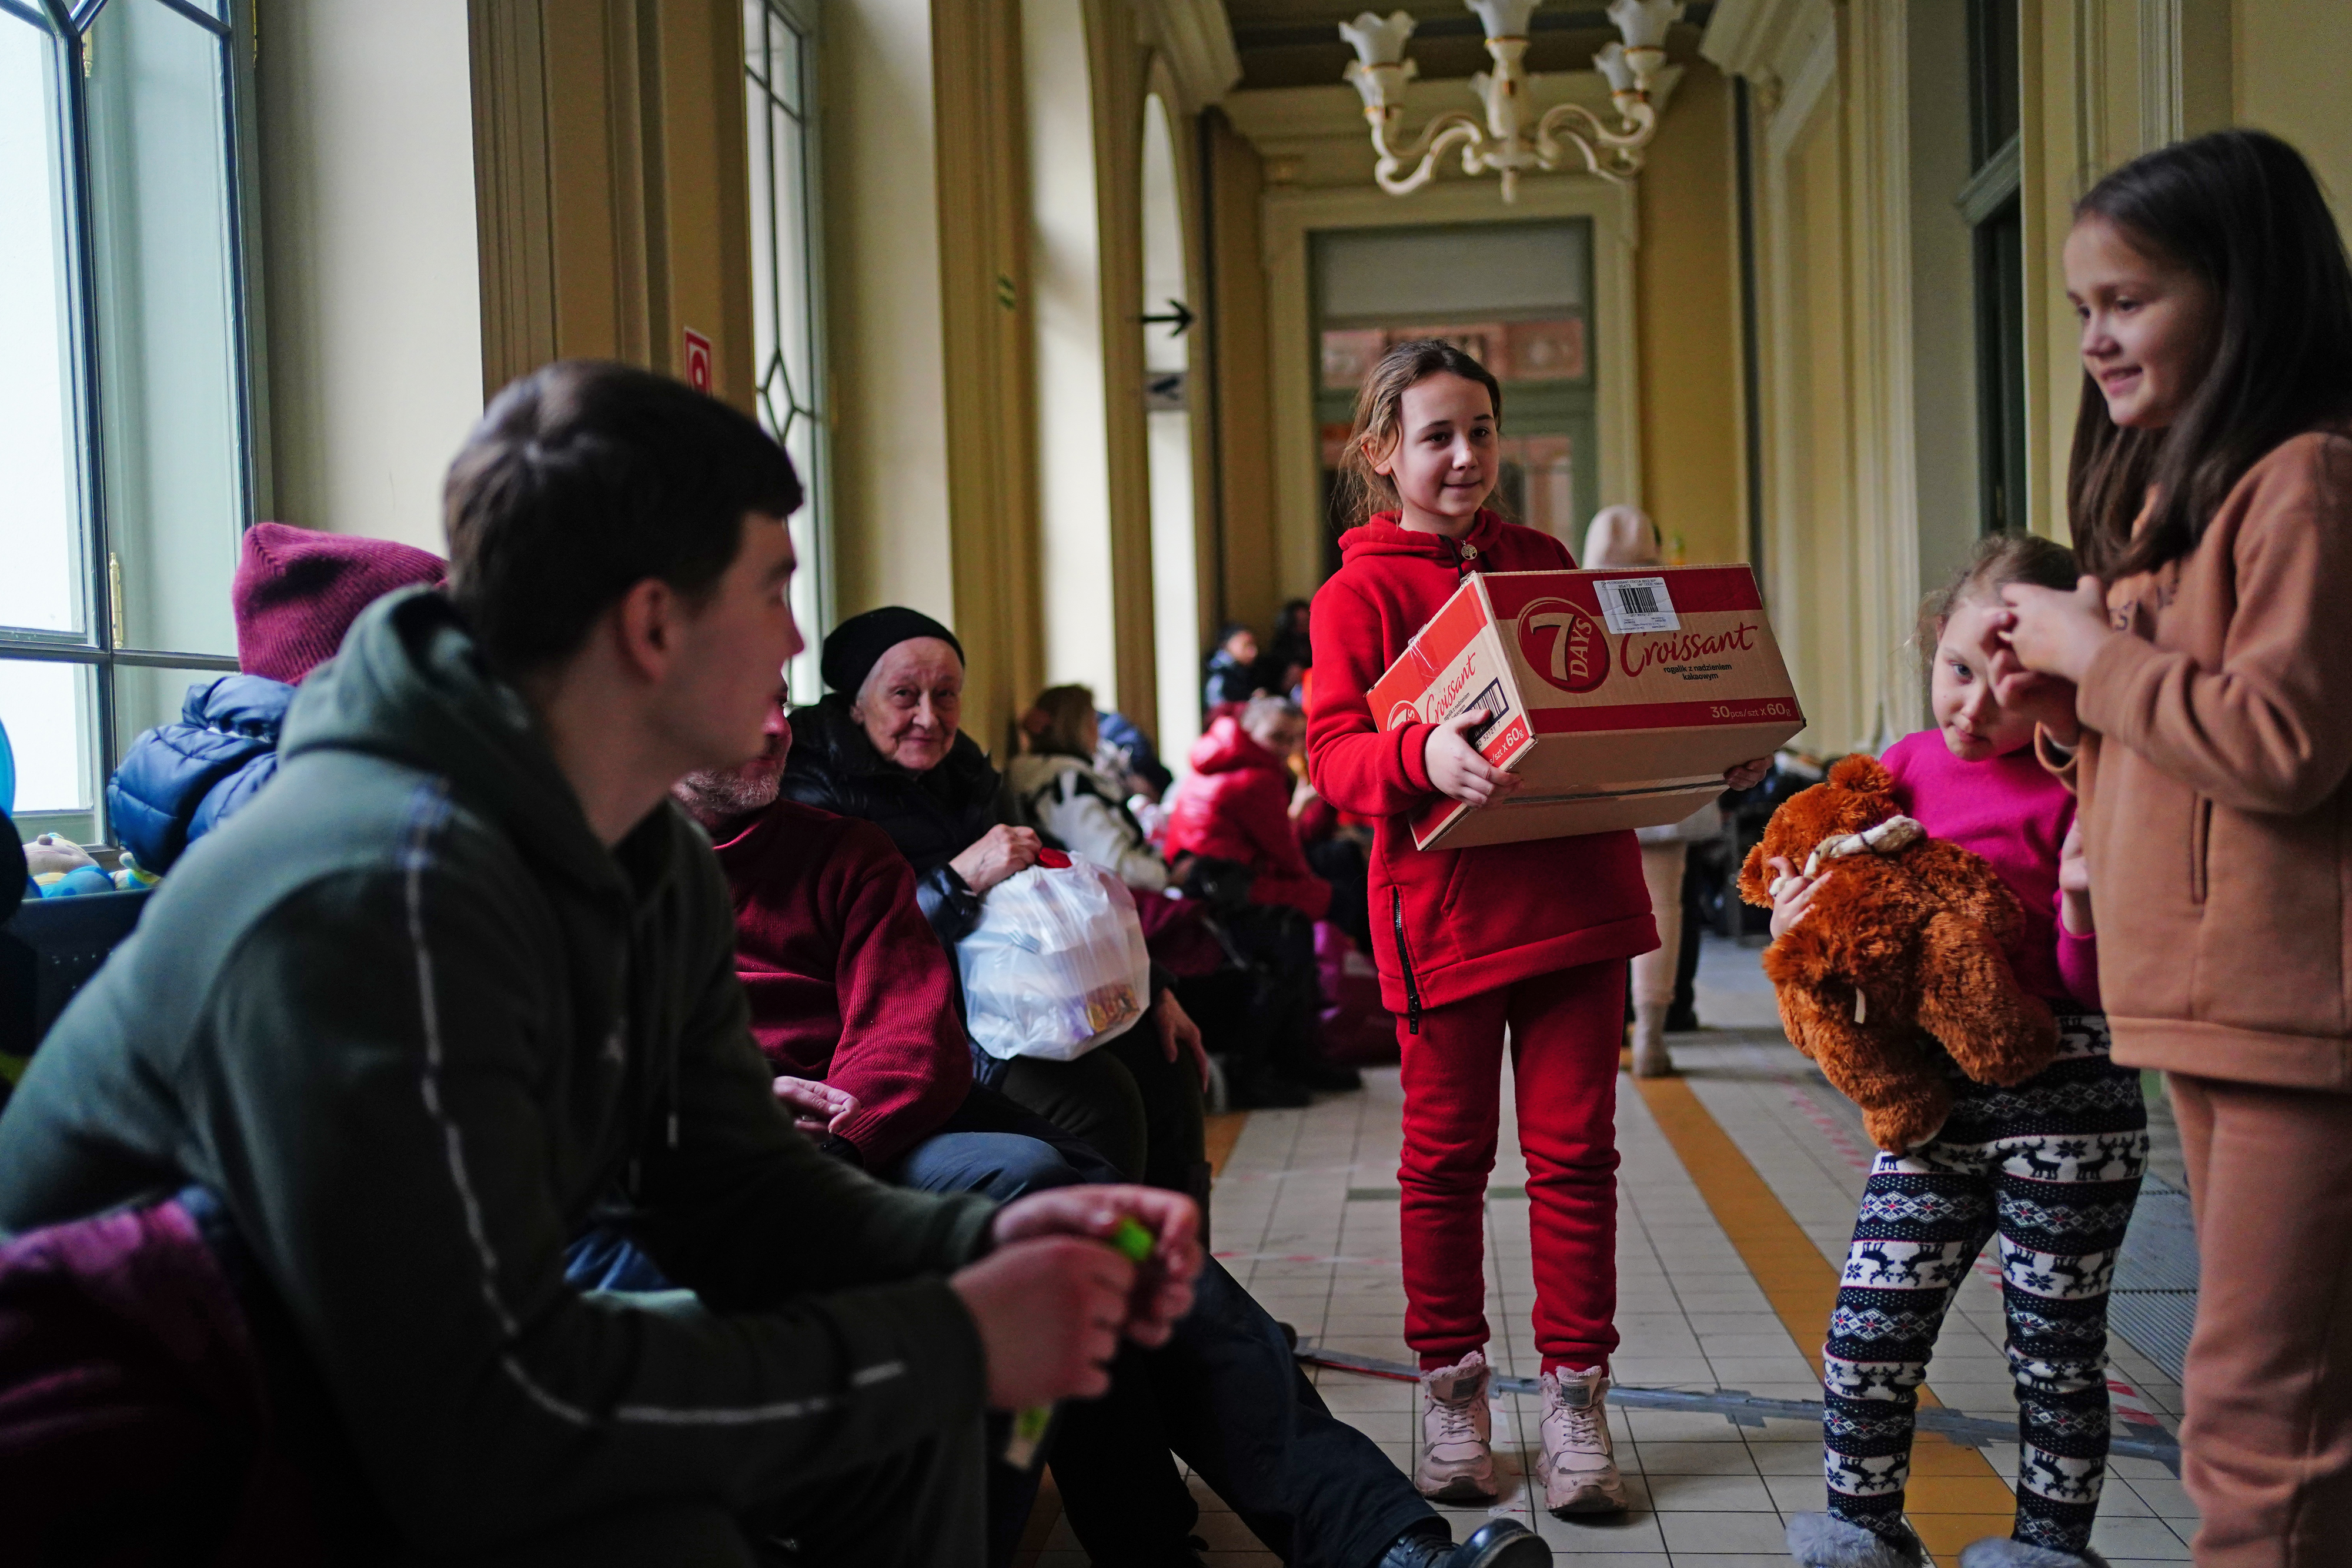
{"points": [[1580, 1468], [1457, 1454]]}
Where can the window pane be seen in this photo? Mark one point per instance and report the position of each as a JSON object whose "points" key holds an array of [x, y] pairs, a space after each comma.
{"points": [[785, 54], [168, 355], [792, 260], [784, 299], [41, 574], [144, 698], [763, 259], [49, 711]]}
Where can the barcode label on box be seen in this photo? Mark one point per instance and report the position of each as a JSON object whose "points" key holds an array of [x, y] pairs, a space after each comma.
{"points": [[1637, 604]]}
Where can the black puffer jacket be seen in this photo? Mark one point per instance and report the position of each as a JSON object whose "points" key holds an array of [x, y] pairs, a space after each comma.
{"points": [[932, 817]]}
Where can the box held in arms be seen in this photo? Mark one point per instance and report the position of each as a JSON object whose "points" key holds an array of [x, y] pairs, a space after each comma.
{"points": [[1619, 697]]}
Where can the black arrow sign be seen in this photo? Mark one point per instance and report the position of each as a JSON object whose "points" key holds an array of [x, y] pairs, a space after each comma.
{"points": [[1178, 316]]}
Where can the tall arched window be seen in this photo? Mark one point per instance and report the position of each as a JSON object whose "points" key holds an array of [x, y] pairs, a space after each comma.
{"points": [[780, 69], [127, 466]]}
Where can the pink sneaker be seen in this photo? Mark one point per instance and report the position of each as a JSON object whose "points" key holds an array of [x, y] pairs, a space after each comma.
{"points": [[1580, 1468], [1457, 1454]]}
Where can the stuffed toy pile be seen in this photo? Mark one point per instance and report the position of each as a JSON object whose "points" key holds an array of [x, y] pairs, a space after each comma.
{"points": [[1905, 950]]}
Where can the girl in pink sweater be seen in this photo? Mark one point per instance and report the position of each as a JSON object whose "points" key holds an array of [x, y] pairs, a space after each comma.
{"points": [[2051, 1166]]}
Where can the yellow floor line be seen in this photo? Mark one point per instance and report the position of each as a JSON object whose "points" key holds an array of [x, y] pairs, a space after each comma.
{"points": [[1955, 1495], [1224, 1130]]}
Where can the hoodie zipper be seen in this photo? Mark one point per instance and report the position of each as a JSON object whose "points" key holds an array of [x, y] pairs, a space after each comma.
{"points": [[1404, 958]]}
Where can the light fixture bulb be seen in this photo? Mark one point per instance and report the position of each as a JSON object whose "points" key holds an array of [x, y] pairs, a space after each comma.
{"points": [[1503, 19], [1611, 63], [1378, 41], [1645, 22]]}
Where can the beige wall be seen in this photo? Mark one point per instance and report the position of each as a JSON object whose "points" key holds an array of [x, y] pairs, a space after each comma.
{"points": [[612, 194], [369, 258], [1067, 285], [887, 356], [1943, 318], [1689, 325], [2290, 59], [1246, 582]]}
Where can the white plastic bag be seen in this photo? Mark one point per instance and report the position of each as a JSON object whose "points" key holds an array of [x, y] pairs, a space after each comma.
{"points": [[1056, 965]]}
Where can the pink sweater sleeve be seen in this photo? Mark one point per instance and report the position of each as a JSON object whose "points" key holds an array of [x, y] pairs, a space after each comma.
{"points": [[2078, 962]]}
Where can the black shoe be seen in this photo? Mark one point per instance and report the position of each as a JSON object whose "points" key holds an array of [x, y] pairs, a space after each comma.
{"points": [[1682, 1021], [1261, 1091], [1325, 1077], [1499, 1543]]}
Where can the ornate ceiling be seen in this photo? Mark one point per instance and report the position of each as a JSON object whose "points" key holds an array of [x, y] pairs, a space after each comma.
{"points": [[1296, 43]]}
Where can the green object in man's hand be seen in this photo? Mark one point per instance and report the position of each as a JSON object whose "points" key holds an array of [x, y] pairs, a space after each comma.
{"points": [[1133, 1240]]}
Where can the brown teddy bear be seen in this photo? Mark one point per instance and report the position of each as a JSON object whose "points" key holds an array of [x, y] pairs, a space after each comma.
{"points": [[1905, 947]]}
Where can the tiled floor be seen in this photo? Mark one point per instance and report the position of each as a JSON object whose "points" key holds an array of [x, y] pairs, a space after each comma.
{"points": [[1306, 1216]]}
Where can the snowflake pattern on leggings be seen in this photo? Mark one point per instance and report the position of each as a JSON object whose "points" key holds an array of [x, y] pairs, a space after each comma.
{"points": [[2051, 1168]]}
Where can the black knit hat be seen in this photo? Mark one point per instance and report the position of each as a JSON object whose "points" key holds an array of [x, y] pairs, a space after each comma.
{"points": [[853, 648]]}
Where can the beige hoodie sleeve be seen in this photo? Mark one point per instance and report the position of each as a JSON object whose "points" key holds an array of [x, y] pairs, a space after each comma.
{"points": [[2270, 729]]}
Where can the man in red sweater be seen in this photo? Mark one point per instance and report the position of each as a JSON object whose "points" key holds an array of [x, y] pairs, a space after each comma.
{"points": [[852, 1001]]}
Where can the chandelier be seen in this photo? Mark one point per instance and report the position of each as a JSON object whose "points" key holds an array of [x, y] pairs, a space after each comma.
{"points": [[1504, 143]]}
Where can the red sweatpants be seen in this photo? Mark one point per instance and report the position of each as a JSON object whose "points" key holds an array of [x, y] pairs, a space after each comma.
{"points": [[1565, 1029]]}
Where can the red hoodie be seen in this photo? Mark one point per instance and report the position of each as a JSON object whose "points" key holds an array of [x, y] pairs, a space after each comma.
{"points": [[1450, 923], [845, 981], [1236, 807]]}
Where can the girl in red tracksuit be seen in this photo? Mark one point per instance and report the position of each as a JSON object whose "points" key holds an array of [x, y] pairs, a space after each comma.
{"points": [[1527, 937]]}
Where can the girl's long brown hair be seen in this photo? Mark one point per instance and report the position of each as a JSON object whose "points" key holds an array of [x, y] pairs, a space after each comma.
{"points": [[1380, 411], [2242, 210]]}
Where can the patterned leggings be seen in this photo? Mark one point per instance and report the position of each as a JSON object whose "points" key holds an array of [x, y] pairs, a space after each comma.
{"points": [[2052, 1167]]}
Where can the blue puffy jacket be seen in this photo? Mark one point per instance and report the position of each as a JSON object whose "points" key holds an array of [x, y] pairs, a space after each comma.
{"points": [[179, 781]]}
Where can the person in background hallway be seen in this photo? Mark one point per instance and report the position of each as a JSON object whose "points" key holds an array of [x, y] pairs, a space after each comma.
{"points": [[887, 743], [2052, 1165], [2197, 691], [295, 594], [1124, 752], [1624, 535], [461, 969], [1056, 791], [1530, 938], [1234, 811], [1291, 651], [1230, 672]]}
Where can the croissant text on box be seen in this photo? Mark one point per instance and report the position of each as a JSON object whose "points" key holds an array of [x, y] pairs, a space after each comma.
{"points": [[1619, 697]]}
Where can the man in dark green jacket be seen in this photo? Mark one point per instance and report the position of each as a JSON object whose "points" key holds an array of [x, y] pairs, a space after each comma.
{"points": [[462, 971]]}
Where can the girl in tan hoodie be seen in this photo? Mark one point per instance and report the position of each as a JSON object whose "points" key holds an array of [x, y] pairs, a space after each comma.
{"points": [[2197, 691]]}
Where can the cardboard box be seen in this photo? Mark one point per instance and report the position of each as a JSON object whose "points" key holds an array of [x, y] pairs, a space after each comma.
{"points": [[1620, 696]]}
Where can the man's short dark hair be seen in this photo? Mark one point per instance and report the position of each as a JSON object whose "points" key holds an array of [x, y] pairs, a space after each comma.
{"points": [[583, 479]]}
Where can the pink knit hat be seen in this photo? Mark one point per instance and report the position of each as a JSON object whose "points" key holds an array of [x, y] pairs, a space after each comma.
{"points": [[297, 591]]}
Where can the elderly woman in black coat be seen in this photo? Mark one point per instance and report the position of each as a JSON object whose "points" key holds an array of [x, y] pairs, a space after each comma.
{"points": [[885, 744]]}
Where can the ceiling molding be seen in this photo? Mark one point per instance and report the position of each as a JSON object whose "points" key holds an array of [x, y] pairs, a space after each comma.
{"points": [[1764, 40], [1316, 137], [1196, 38]]}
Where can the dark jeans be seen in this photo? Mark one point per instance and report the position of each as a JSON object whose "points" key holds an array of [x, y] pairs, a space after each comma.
{"points": [[1224, 1393], [1286, 999], [1126, 1101], [920, 1507]]}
